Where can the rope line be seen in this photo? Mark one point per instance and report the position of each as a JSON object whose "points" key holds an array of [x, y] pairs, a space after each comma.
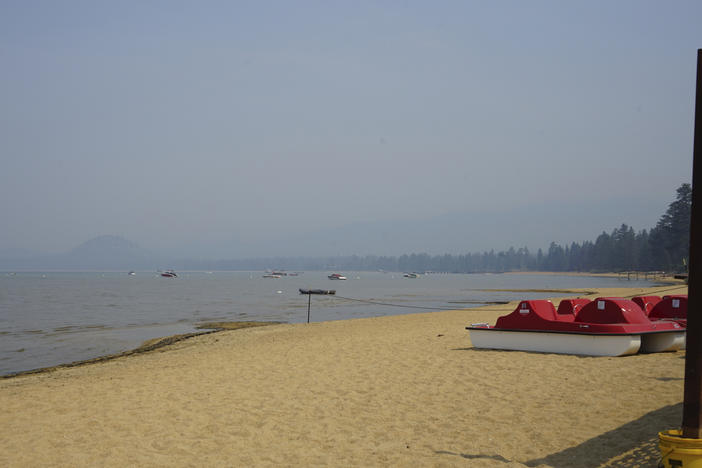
{"points": [[393, 305]]}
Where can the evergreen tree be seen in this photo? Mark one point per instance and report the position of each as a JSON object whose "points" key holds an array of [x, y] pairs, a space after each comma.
{"points": [[670, 239]]}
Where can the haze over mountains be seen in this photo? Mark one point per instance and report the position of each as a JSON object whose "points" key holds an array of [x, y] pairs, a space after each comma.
{"points": [[454, 234], [106, 252], [468, 232]]}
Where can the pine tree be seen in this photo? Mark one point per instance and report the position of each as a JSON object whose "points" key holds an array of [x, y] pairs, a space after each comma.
{"points": [[670, 239]]}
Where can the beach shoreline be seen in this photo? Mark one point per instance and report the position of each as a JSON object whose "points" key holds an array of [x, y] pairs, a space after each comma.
{"points": [[401, 390], [145, 347], [215, 327]]}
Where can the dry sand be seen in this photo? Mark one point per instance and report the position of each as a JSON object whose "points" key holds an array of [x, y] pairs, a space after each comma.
{"points": [[393, 391]]}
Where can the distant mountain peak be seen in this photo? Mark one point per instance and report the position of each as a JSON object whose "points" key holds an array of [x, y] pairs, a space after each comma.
{"points": [[111, 252]]}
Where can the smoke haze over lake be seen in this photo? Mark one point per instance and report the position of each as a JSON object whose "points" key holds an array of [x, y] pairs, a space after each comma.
{"points": [[223, 129]]}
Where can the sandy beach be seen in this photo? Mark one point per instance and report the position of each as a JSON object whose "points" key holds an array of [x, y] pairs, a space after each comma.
{"points": [[404, 390]]}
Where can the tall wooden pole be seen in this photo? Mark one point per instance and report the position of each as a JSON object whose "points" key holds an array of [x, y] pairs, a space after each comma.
{"points": [[692, 410]]}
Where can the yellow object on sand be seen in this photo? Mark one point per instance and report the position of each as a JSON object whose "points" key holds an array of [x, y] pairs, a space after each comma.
{"points": [[677, 451]]}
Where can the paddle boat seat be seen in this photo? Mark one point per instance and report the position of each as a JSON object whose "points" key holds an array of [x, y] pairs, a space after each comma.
{"points": [[670, 307], [646, 302], [568, 308], [532, 315]]}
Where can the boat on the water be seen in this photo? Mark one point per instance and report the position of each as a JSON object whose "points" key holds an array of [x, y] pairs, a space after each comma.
{"points": [[336, 276], [607, 326], [411, 275], [326, 292], [169, 274], [271, 275]]}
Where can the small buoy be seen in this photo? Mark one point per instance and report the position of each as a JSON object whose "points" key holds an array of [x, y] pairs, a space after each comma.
{"points": [[279, 292]]}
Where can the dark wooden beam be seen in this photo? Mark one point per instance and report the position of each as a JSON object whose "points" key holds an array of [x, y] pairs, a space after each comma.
{"points": [[692, 411]]}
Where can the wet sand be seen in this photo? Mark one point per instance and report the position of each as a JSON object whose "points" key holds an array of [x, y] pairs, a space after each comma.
{"points": [[404, 390]]}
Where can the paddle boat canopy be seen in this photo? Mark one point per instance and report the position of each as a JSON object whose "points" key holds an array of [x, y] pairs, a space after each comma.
{"points": [[568, 308]]}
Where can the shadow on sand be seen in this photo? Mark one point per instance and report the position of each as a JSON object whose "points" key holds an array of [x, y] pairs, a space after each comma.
{"points": [[634, 444]]}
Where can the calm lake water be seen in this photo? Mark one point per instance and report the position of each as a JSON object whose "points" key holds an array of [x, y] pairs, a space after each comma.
{"points": [[52, 318]]}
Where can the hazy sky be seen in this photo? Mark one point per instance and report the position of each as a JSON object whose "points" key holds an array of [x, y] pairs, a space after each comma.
{"points": [[186, 124]]}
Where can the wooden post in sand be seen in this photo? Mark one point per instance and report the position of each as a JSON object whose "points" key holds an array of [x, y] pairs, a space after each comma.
{"points": [[692, 411], [309, 303]]}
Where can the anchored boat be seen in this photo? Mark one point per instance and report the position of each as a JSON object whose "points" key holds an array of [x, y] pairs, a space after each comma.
{"points": [[325, 292]]}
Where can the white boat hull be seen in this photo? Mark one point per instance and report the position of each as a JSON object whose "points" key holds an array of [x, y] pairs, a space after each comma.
{"points": [[662, 342], [559, 343]]}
